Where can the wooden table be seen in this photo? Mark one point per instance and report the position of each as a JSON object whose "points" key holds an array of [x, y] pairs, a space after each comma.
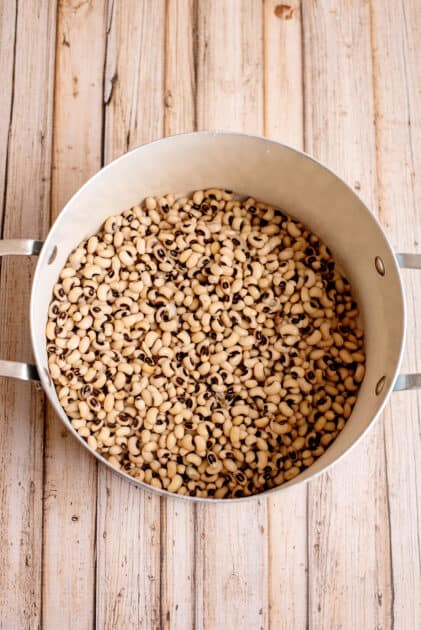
{"points": [[84, 82]]}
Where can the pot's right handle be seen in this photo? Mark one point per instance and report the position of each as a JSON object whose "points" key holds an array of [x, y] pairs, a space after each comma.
{"points": [[408, 381], [19, 247]]}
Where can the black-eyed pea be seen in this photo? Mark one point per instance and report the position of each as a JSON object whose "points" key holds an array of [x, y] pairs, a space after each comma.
{"points": [[340, 424], [84, 344], [234, 435], [262, 459], [147, 457], [326, 439], [148, 475], [359, 372], [279, 428], [133, 445], [298, 443], [175, 484], [331, 390], [250, 457], [347, 409], [280, 478], [350, 385], [200, 443], [192, 473], [155, 483], [92, 442], [55, 371], [230, 341], [157, 398], [314, 338], [262, 422], [51, 330], [86, 322], [303, 429], [285, 410], [84, 410], [194, 459], [171, 441], [262, 444], [160, 426], [214, 468], [291, 473], [238, 454], [345, 356], [187, 443], [229, 465], [115, 449], [78, 423], [325, 406], [320, 423], [139, 474]]}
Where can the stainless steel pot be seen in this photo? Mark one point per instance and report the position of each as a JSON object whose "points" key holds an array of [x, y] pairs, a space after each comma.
{"points": [[278, 175]]}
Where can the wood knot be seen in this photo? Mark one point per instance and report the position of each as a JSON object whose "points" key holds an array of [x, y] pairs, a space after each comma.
{"points": [[284, 11]]}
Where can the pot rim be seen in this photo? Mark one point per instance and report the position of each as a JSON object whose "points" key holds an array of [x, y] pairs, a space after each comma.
{"points": [[46, 381]]}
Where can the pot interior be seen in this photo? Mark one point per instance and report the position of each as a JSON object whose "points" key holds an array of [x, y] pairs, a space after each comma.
{"points": [[270, 172]]}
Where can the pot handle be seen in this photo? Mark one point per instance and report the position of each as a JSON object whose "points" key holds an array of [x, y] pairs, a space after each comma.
{"points": [[28, 372], [19, 247], [408, 381]]}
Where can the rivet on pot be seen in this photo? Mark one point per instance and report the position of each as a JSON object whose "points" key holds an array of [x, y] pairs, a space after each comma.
{"points": [[380, 385], [379, 264], [53, 255]]}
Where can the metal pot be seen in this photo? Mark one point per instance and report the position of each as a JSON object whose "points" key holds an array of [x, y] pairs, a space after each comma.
{"points": [[271, 172]]}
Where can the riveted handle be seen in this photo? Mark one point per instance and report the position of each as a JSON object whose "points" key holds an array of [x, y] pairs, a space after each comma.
{"points": [[19, 247], [408, 381]]}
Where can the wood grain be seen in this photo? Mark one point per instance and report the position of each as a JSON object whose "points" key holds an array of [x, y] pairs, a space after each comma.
{"points": [[349, 562], [70, 476], [283, 74], [128, 564], [229, 65], [180, 66], [25, 184], [231, 540], [283, 113], [178, 518], [8, 15], [396, 31]]}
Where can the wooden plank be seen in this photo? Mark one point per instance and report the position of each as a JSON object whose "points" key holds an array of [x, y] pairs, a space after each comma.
{"points": [[396, 31], [70, 472], [284, 122], [349, 563], [128, 565], [283, 80], [229, 65], [180, 71], [178, 517], [26, 201], [177, 564], [8, 14], [231, 540]]}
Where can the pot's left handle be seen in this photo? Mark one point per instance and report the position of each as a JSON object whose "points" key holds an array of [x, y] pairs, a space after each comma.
{"points": [[19, 247]]}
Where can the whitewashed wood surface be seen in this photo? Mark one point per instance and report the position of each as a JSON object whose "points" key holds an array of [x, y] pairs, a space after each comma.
{"points": [[82, 82]]}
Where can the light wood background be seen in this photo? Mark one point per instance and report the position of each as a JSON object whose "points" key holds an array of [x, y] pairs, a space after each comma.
{"points": [[86, 80]]}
